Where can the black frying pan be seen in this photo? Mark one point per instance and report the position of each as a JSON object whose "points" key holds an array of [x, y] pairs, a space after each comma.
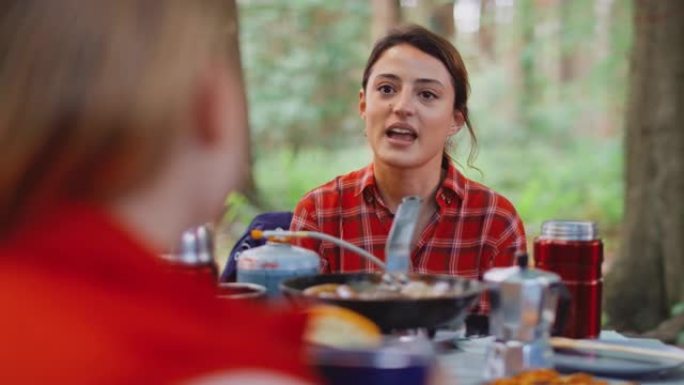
{"points": [[396, 313]]}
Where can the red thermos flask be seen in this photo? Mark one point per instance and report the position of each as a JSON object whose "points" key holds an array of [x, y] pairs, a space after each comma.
{"points": [[573, 250]]}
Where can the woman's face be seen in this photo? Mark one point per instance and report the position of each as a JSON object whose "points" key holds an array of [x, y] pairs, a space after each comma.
{"points": [[408, 108]]}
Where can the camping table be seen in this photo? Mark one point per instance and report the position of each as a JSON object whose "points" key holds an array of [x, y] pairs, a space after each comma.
{"points": [[464, 365]]}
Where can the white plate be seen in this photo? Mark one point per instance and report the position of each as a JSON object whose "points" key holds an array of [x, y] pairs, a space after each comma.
{"points": [[617, 364]]}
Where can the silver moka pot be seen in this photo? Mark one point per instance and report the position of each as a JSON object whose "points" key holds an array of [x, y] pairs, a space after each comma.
{"points": [[523, 309]]}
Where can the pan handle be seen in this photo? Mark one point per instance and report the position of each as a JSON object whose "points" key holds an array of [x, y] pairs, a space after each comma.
{"points": [[477, 325]]}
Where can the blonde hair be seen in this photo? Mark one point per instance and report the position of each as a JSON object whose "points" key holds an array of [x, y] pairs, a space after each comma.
{"points": [[91, 92]]}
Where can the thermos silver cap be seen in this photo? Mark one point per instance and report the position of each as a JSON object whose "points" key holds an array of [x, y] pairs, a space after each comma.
{"points": [[196, 247], [569, 230]]}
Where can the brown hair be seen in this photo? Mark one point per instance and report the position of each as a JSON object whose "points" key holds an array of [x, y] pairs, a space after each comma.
{"points": [[442, 50], [91, 91]]}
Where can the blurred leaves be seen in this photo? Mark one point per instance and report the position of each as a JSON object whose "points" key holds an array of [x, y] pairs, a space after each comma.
{"points": [[284, 177], [303, 60], [560, 158], [677, 309], [239, 209]]}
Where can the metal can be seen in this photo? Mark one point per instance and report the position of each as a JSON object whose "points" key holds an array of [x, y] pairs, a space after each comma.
{"points": [[573, 250], [194, 256]]}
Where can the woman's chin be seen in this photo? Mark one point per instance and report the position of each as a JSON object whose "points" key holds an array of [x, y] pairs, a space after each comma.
{"points": [[399, 159]]}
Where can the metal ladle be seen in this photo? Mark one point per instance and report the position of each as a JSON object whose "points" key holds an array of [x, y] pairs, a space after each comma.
{"points": [[397, 248], [400, 239], [258, 234]]}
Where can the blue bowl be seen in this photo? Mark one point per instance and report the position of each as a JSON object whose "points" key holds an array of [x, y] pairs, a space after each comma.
{"points": [[397, 362], [338, 375]]}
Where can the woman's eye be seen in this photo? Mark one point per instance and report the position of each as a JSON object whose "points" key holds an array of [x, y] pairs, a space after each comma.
{"points": [[428, 95], [386, 89]]}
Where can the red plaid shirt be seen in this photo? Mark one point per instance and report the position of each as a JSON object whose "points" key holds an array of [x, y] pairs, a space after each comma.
{"points": [[473, 229]]}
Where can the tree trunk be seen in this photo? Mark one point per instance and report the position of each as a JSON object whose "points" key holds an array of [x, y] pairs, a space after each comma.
{"points": [[386, 15], [442, 20], [246, 184], [526, 61], [567, 50], [646, 280], [604, 12], [487, 32]]}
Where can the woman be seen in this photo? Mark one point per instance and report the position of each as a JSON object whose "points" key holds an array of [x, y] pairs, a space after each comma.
{"points": [[413, 99], [116, 134]]}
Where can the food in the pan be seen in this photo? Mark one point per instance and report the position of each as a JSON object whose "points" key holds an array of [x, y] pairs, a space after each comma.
{"points": [[365, 290]]}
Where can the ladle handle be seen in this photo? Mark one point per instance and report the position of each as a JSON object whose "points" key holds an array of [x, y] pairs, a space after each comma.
{"points": [[400, 239]]}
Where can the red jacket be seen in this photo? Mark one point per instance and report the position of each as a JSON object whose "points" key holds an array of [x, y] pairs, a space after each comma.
{"points": [[83, 302]]}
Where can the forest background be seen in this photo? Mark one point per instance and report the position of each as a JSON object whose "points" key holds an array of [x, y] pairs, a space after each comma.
{"points": [[549, 96], [548, 82]]}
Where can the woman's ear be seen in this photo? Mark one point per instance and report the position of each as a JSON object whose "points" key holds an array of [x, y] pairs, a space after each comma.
{"points": [[458, 122], [362, 104]]}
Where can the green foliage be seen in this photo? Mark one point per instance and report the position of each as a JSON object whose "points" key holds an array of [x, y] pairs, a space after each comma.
{"points": [[551, 170], [283, 177], [554, 154], [677, 309], [303, 62], [239, 209], [580, 180]]}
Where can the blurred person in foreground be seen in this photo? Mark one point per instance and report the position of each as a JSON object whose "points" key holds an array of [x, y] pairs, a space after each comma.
{"points": [[413, 98], [115, 135]]}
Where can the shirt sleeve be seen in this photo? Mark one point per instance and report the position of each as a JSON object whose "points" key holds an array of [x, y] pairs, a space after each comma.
{"points": [[304, 219], [510, 242]]}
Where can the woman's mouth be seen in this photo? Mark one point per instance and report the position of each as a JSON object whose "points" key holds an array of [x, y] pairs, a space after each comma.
{"points": [[401, 133]]}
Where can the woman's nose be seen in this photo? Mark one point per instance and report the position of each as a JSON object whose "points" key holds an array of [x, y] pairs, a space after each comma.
{"points": [[404, 104]]}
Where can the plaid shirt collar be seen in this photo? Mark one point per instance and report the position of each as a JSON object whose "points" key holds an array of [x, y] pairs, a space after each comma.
{"points": [[454, 183]]}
